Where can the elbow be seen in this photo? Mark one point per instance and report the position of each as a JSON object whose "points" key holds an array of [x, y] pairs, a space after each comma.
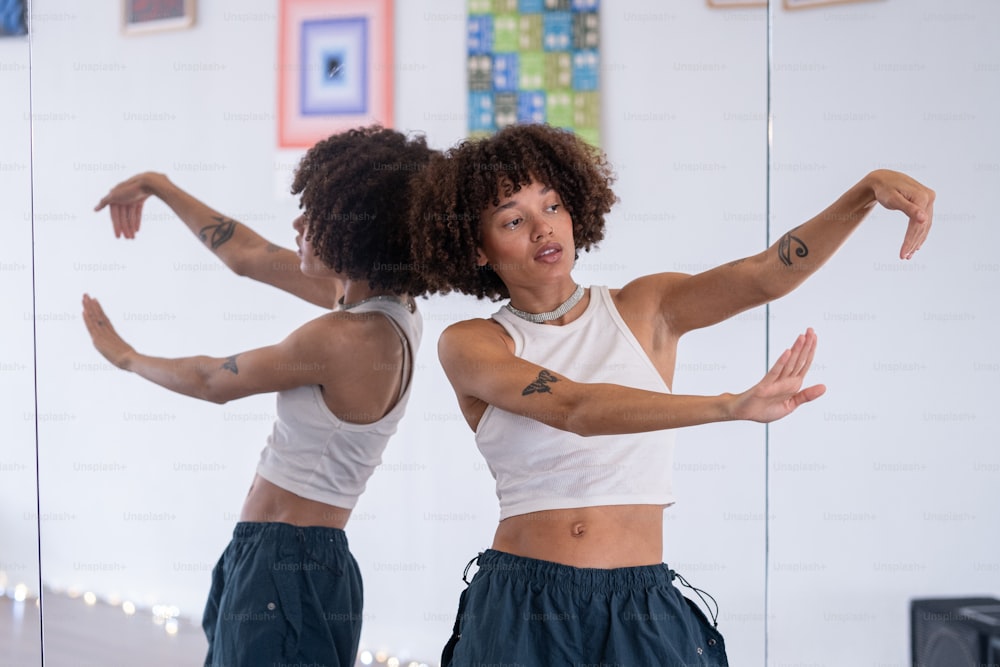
{"points": [[238, 265], [222, 392], [213, 391], [768, 293], [562, 415], [575, 417], [582, 430], [576, 424], [212, 394]]}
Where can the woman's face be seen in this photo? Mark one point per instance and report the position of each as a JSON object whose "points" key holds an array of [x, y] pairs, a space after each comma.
{"points": [[528, 237], [309, 262]]}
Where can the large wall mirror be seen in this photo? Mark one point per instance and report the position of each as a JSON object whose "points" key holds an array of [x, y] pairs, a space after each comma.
{"points": [[19, 520], [728, 125]]}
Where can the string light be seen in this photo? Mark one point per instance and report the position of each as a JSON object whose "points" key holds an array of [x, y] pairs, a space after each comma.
{"points": [[168, 616], [383, 657]]}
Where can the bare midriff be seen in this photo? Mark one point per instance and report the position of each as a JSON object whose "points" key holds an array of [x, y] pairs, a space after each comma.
{"points": [[607, 537], [269, 503]]}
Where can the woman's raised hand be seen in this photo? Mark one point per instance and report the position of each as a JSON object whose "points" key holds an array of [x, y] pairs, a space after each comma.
{"points": [[780, 391]]}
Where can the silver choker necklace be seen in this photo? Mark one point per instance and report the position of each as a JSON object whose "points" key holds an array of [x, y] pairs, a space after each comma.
{"points": [[563, 308], [408, 303]]}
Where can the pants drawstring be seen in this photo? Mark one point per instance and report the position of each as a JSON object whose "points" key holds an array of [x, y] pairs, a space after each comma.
{"points": [[701, 594], [468, 566], [456, 633]]}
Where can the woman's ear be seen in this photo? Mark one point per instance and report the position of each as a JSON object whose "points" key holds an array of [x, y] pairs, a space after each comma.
{"points": [[481, 258]]}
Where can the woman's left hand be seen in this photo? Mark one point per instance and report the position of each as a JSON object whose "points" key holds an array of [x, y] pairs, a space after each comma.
{"points": [[898, 192], [105, 338]]}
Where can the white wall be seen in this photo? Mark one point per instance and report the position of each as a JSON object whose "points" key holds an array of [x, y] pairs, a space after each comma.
{"points": [[888, 489], [140, 488]]}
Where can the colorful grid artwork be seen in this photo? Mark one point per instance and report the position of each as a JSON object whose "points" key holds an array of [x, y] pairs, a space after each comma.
{"points": [[534, 61]]}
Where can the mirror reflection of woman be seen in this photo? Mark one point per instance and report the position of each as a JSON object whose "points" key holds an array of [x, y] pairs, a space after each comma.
{"points": [[287, 589], [567, 389]]}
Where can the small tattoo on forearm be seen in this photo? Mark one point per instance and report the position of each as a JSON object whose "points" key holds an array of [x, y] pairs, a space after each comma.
{"points": [[785, 248], [541, 384], [230, 365], [216, 235]]}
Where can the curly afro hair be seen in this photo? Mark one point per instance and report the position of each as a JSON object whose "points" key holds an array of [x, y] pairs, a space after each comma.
{"points": [[452, 193], [355, 188]]}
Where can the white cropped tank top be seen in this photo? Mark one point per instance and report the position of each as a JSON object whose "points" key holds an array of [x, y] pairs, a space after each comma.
{"points": [[537, 467], [316, 455]]}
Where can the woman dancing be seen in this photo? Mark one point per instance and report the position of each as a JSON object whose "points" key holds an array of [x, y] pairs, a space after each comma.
{"points": [[567, 389], [287, 589]]}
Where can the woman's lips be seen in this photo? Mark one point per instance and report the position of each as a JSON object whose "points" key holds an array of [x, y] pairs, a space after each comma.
{"points": [[550, 253]]}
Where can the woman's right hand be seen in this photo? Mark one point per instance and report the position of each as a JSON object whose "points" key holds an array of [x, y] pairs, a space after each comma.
{"points": [[779, 392], [125, 201]]}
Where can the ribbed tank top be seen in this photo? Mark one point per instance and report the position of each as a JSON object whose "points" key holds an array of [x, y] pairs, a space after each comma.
{"points": [[538, 467], [316, 455]]}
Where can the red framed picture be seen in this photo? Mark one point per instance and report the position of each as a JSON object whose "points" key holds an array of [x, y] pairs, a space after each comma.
{"points": [[139, 16], [335, 68]]}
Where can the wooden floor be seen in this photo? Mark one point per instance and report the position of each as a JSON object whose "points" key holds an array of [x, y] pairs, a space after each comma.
{"points": [[99, 635]]}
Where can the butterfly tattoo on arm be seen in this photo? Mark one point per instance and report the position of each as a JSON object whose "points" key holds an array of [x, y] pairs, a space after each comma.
{"points": [[541, 384]]}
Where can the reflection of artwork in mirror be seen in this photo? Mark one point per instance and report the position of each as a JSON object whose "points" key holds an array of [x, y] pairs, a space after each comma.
{"points": [[539, 65], [737, 3], [139, 16], [335, 64], [802, 4], [12, 18]]}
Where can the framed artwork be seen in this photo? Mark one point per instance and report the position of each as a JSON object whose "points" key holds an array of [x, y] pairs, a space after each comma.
{"points": [[534, 61], [335, 68], [12, 18], [140, 16], [802, 4], [737, 3]]}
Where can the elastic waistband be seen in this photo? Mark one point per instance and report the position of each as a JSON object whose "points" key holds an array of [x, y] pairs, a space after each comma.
{"points": [[504, 564], [251, 530]]}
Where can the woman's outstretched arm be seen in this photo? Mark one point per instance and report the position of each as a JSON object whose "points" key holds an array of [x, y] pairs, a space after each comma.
{"points": [[242, 249], [304, 357], [483, 370], [687, 302]]}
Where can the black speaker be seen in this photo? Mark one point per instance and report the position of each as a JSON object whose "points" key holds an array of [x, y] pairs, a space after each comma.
{"points": [[955, 632]]}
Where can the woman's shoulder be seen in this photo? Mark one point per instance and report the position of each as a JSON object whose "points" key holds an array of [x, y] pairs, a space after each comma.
{"points": [[342, 333], [475, 336], [649, 288], [474, 327]]}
